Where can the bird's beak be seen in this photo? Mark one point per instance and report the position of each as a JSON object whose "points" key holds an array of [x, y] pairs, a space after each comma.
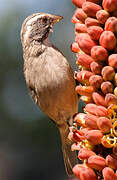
{"points": [[56, 19]]}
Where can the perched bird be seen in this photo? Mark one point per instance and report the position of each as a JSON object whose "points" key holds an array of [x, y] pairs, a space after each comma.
{"points": [[49, 78]]}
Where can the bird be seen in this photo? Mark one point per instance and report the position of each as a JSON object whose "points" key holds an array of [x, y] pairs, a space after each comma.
{"points": [[50, 78]]}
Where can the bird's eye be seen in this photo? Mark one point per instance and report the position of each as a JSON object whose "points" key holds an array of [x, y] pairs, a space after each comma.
{"points": [[44, 19]]}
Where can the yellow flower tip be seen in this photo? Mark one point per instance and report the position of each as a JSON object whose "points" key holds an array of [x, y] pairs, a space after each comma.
{"points": [[112, 111], [109, 141]]}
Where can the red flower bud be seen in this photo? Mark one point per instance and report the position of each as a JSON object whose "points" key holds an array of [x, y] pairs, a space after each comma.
{"points": [[91, 22], [87, 174], [110, 99], [108, 40], [102, 16], [84, 60], [80, 15], [94, 136], [104, 124], [107, 87], [84, 173], [99, 53], [85, 42], [85, 154], [112, 60], [110, 5], [99, 99], [77, 170], [111, 161], [95, 81], [78, 3], [91, 121], [109, 174], [95, 32], [90, 8], [96, 67], [80, 28], [111, 24], [96, 162], [96, 110], [108, 73]]}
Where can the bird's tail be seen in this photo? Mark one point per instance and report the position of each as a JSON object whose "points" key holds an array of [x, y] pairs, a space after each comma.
{"points": [[70, 157]]}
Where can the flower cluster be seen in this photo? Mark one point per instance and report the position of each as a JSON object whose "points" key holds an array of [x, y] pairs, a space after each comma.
{"points": [[94, 131]]}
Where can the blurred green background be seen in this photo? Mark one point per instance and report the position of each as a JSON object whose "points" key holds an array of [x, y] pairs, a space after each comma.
{"points": [[29, 142]]}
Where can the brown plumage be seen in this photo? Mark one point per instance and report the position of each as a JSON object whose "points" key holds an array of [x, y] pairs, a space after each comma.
{"points": [[49, 78]]}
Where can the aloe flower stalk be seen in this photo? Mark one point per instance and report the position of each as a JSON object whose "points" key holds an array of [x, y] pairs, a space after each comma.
{"points": [[94, 131]]}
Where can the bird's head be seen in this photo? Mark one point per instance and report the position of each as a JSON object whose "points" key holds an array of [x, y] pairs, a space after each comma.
{"points": [[38, 26]]}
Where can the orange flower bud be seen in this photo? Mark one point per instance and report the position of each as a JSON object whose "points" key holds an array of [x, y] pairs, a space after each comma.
{"points": [[109, 174], [84, 60], [80, 15], [91, 22], [85, 42], [112, 60], [95, 81], [94, 136], [85, 90], [99, 53], [107, 87], [104, 124], [108, 73], [80, 28], [96, 162], [111, 24], [74, 47], [110, 5], [90, 8], [102, 16], [96, 67], [96, 110], [108, 40], [78, 3], [110, 99], [111, 161], [83, 76], [86, 99], [85, 154], [99, 99]]}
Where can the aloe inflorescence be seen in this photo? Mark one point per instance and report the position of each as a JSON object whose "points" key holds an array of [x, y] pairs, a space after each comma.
{"points": [[94, 132]]}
